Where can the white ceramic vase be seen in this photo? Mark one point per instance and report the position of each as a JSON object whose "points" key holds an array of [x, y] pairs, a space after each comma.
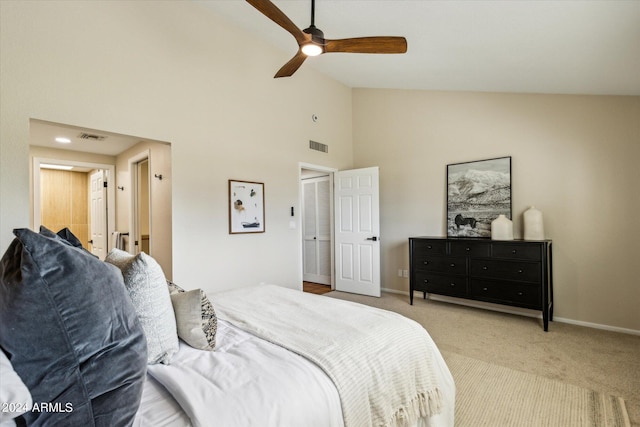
{"points": [[502, 228], [533, 225]]}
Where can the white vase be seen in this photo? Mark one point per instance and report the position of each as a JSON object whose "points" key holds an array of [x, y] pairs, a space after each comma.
{"points": [[533, 225], [502, 228]]}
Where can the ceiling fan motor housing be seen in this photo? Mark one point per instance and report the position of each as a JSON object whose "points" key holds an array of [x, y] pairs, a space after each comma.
{"points": [[317, 36]]}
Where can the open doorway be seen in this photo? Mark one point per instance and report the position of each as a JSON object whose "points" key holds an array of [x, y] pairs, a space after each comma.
{"points": [[140, 218], [354, 223], [316, 191], [74, 194]]}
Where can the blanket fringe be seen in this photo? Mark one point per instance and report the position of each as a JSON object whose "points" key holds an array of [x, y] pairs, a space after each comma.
{"points": [[424, 404]]}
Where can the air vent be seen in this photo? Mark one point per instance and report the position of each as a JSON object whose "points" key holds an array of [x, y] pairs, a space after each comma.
{"points": [[91, 136], [318, 146]]}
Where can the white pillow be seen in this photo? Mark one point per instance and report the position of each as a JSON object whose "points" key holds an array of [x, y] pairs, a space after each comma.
{"points": [[195, 318], [13, 393], [147, 286]]}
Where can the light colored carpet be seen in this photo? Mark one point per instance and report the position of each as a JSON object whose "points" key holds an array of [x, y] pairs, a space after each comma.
{"points": [[591, 359], [491, 395]]}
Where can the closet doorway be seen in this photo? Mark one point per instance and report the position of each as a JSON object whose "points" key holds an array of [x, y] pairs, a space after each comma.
{"points": [[317, 229]]}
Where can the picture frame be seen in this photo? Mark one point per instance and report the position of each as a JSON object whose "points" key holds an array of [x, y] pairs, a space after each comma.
{"points": [[477, 192], [246, 207]]}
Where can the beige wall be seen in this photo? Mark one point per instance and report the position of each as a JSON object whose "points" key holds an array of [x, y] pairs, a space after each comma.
{"points": [[573, 157], [171, 71]]}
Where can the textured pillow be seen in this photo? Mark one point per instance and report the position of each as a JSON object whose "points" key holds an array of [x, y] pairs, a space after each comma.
{"points": [[14, 395], [71, 333], [195, 318], [145, 281]]}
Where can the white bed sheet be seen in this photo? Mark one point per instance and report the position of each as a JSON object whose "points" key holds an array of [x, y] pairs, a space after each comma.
{"points": [[246, 381]]}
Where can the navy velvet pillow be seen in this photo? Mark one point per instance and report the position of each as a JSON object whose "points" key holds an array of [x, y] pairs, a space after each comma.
{"points": [[71, 333]]}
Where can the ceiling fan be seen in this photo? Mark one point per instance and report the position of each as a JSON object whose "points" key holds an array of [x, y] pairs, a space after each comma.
{"points": [[311, 41]]}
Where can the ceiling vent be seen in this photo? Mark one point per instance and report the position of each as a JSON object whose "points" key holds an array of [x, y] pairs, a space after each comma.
{"points": [[91, 137], [318, 146]]}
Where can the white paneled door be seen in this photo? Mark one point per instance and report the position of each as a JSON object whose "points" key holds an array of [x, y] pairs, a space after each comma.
{"points": [[98, 214], [316, 233], [357, 231]]}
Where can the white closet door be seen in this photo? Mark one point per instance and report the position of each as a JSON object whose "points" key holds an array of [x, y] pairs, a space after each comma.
{"points": [[316, 231], [98, 218]]}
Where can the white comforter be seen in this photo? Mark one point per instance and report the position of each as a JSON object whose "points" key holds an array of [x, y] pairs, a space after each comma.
{"points": [[248, 381]]}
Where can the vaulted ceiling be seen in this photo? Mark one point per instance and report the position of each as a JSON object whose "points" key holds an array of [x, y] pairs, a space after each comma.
{"points": [[532, 46]]}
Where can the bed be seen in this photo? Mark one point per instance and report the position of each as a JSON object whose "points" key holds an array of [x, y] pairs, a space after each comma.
{"points": [[275, 357], [299, 391]]}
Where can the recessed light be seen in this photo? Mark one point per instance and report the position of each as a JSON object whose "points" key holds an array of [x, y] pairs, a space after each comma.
{"points": [[58, 167], [63, 140]]}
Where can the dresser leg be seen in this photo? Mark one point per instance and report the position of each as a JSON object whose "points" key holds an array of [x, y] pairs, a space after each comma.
{"points": [[411, 297]]}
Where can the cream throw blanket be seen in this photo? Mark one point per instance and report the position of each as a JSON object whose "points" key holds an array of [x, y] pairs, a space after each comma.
{"points": [[381, 362]]}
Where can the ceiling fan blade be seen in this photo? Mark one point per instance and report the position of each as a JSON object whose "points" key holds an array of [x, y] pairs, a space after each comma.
{"points": [[367, 45], [271, 11], [292, 66]]}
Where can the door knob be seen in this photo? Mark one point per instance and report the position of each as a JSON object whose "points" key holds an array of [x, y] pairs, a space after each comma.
{"points": [[374, 238]]}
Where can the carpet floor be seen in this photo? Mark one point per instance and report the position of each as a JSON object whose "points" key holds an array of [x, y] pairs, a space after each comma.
{"points": [[592, 360], [486, 395]]}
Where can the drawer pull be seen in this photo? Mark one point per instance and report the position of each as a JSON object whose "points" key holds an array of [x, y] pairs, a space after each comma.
{"points": [[452, 265], [514, 251], [426, 263], [453, 285], [484, 267], [467, 249], [426, 280], [429, 246], [520, 294], [485, 289], [520, 271]]}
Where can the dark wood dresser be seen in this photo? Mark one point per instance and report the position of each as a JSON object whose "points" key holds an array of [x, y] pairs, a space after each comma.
{"points": [[514, 272]]}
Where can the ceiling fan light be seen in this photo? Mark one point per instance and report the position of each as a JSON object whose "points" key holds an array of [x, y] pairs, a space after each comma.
{"points": [[311, 49]]}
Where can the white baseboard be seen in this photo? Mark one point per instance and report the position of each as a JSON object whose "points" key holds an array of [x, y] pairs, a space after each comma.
{"points": [[516, 310]]}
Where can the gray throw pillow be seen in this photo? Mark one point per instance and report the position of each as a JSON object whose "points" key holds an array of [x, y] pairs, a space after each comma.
{"points": [[195, 318], [146, 283], [71, 333]]}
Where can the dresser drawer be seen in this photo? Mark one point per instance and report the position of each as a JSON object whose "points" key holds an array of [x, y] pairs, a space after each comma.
{"points": [[440, 284], [502, 292], [507, 270], [516, 251], [449, 265], [429, 247], [466, 248]]}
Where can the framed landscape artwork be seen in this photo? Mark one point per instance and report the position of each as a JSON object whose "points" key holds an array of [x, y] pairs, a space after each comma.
{"points": [[477, 192], [246, 207]]}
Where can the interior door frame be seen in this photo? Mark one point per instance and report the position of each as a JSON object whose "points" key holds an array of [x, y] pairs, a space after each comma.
{"points": [[133, 201], [111, 191], [330, 172]]}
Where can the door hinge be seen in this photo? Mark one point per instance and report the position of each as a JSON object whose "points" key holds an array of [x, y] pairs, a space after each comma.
{"points": [[105, 184]]}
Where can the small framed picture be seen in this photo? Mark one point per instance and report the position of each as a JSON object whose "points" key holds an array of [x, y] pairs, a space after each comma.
{"points": [[477, 192], [246, 207]]}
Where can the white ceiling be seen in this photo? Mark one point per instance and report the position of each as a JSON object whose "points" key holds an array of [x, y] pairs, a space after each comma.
{"points": [[532, 46]]}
